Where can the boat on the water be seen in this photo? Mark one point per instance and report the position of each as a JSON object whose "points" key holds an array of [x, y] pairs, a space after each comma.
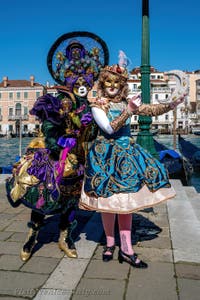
{"points": [[190, 151], [177, 165], [196, 130]]}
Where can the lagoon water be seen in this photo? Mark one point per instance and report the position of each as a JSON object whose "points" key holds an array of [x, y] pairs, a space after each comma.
{"points": [[9, 150]]}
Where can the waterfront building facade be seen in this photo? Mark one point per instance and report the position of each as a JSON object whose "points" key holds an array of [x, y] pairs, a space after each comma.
{"points": [[18, 96], [16, 99], [186, 115], [194, 105]]}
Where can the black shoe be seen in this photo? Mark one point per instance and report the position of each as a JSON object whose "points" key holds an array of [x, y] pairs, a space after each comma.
{"points": [[131, 260], [108, 257]]}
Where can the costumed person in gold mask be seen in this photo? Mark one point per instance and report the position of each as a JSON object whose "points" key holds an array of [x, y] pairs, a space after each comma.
{"points": [[48, 178], [121, 177]]}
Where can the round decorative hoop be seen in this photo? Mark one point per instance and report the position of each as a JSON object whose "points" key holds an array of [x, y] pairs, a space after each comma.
{"points": [[93, 56]]}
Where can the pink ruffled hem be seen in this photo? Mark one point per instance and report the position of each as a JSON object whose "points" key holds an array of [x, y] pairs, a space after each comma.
{"points": [[126, 203]]}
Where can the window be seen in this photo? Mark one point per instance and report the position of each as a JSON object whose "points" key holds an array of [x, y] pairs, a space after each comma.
{"points": [[18, 95], [10, 112], [18, 109], [94, 93], [156, 118], [10, 95], [37, 94], [25, 95], [25, 110], [166, 117], [156, 96], [135, 118], [10, 128], [134, 87]]}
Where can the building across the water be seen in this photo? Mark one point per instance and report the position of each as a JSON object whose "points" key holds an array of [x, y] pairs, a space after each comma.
{"points": [[187, 114], [16, 99], [18, 96]]}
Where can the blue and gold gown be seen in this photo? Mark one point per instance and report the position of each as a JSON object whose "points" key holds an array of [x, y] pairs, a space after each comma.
{"points": [[120, 176]]}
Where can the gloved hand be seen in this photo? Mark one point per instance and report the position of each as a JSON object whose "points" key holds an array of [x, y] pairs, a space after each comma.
{"points": [[178, 101], [134, 103]]}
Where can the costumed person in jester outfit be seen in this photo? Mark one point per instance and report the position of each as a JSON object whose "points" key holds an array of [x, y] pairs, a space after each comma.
{"points": [[121, 177], [48, 178]]}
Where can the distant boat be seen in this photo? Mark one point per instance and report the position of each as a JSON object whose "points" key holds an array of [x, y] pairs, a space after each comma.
{"points": [[178, 167], [27, 134], [190, 151], [154, 131], [196, 130]]}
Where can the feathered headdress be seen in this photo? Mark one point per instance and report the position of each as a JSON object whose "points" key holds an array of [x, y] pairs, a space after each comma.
{"points": [[119, 69]]}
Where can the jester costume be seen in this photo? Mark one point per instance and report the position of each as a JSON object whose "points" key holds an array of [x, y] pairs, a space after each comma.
{"points": [[48, 178]]}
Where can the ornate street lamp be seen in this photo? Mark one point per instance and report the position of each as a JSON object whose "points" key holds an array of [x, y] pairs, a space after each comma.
{"points": [[145, 137]]}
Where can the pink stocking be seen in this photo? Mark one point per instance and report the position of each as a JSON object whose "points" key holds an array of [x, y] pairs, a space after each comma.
{"points": [[109, 228], [125, 225]]}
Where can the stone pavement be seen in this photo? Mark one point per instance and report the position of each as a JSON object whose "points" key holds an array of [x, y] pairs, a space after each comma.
{"points": [[167, 237]]}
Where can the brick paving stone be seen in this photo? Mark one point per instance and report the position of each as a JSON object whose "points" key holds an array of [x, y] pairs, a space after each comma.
{"points": [[20, 284], [10, 247], [48, 250], [6, 216], [19, 226], [12, 298], [154, 254], [10, 262], [161, 208], [189, 289], [85, 248], [157, 282], [2, 208], [16, 210], [100, 289], [160, 220], [5, 235], [67, 274], [110, 270], [53, 294], [4, 224], [42, 265], [17, 236], [189, 271], [93, 278], [24, 216], [158, 242]]}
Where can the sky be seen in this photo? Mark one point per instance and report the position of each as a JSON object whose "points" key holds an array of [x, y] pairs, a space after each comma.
{"points": [[29, 29]]}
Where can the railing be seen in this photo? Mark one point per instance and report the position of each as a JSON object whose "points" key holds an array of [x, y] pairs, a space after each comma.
{"points": [[15, 118], [161, 89]]}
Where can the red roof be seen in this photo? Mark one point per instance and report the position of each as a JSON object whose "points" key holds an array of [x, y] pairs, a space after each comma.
{"points": [[19, 83]]}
